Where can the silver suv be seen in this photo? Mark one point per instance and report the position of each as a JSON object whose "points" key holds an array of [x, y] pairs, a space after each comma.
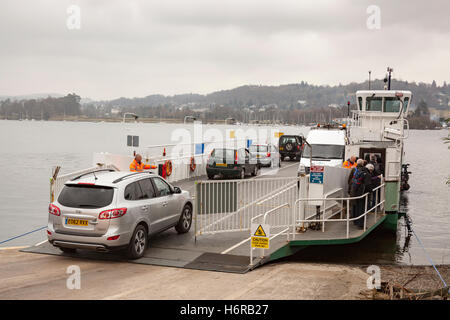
{"points": [[104, 210]]}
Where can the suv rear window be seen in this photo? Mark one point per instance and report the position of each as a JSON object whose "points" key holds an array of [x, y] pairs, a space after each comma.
{"points": [[223, 153], [288, 139], [257, 148], [86, 196]]}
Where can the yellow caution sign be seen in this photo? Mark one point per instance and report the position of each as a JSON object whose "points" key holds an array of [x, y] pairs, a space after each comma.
{"points": [[278, 134], [260, 242], [232, 136], [260, 234]]}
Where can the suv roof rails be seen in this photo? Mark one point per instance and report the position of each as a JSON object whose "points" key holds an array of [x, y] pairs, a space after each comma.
{"points": [[130, 175], [92, 172]]}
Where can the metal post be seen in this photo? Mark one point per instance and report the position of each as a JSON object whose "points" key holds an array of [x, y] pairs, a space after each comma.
{"points": [[365, 211], [348, 215]]}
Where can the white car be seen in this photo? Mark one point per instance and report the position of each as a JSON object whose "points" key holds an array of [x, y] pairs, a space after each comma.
{"points": [[266, 155]]}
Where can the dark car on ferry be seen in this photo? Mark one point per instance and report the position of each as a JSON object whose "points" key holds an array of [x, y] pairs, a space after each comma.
{"points": [[291, 146], [231, 163]]}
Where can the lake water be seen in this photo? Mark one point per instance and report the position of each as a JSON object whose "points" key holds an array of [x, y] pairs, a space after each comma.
{"points": [[29, 149]]}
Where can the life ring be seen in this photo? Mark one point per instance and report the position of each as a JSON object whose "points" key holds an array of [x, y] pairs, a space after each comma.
{"points": [[168, 164], [192, 165]]}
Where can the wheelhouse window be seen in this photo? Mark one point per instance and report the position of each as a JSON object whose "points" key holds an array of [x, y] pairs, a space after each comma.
{"points": [[391, 104], [374, 104], [405, 104], [360, 103]]}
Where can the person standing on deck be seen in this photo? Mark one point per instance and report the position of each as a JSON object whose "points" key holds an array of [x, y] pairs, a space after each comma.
{"points": [[350, 163], [138, 166], [360, 184], [374, 182]]}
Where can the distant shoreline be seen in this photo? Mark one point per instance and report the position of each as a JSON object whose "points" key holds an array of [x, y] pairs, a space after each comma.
{"points": [[142, 120], [174, 121]]}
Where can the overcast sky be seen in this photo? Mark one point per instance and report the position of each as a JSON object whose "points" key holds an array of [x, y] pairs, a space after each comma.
{"points": [[136, 48]]}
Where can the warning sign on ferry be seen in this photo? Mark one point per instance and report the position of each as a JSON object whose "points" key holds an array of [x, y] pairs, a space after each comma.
{"points": [[260, 234], [316, 174]]}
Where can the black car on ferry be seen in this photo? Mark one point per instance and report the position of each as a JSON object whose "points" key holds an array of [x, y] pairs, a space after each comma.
{"points": [[231, 163]]}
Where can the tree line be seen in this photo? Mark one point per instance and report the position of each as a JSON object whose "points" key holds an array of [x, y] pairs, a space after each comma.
{"points": [[42, 109]]}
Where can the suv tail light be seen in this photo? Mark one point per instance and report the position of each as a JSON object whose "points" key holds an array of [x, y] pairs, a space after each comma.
{"points": [[113, 213], [52, 209], [268, 154], [298, 147]]}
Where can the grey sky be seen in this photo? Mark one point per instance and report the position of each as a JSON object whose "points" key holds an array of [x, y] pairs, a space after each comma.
{"points": [[135, 48]]}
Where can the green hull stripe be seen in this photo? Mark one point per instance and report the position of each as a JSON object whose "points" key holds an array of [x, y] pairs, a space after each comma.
{"points": [[296, 245], [392, 194]]}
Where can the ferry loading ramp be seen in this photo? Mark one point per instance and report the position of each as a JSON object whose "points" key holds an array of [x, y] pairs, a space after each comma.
{"points": [[229, 251]]}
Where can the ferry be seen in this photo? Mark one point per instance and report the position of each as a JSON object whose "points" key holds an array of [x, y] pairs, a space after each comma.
{"points": [[241, 224]]}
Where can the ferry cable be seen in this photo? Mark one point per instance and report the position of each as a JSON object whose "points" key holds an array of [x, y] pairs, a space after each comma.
{"points": [[430, 260], [24, 234]]}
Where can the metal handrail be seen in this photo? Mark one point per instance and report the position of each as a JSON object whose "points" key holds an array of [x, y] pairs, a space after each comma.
{"points": [[265, 215], [347, 199]]}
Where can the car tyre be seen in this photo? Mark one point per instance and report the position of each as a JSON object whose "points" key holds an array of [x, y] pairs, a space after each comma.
{"points": [[185, 222], [68, 250], [242, 174], [138, 243], [210, 176]]}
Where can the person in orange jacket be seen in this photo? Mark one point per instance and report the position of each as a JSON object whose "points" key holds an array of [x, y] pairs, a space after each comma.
{"points": [[350, 163], [138, 166]]}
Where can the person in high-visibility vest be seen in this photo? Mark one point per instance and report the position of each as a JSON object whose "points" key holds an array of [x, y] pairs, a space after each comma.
{"points": [[350, 163], [138, 166]]}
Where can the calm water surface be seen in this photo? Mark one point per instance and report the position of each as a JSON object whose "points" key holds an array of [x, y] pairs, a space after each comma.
{"points": [[29, 149]]}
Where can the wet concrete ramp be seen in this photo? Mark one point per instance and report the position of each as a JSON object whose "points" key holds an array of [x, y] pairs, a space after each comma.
{"points": [[170, 249]]}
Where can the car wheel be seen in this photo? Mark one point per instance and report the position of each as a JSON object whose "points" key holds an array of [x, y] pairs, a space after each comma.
{"points": [[138, 243], [68, 250], [242, 175], [185, 222], [255, 171], [210, 176]]}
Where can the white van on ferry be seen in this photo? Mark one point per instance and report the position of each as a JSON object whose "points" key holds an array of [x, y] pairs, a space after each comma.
{"points": [[327, 147]]}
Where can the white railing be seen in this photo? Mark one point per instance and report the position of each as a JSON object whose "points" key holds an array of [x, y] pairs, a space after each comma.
{"points": [[379, 203], [181, 167], [264, 216], [229, 205]]}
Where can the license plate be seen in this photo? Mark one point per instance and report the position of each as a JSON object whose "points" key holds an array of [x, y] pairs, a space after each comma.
{"points": [[281, 148], [258, 156], [77, 222], [221, 164]]}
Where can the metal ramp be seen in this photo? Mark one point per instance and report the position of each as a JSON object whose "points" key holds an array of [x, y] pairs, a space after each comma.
{"points": [[170, 249]]}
